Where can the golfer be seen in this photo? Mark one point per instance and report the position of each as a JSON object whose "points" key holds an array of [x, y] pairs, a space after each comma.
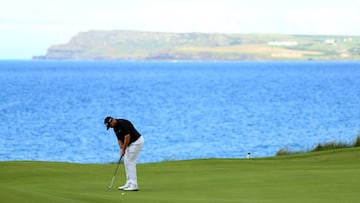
{"points": [[130, 142]]}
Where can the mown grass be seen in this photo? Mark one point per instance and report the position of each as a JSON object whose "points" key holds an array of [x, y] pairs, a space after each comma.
{"points": [[327, 176]]}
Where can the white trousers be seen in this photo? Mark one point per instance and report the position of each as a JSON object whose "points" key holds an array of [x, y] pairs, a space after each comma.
{"points": [[131, 155]]}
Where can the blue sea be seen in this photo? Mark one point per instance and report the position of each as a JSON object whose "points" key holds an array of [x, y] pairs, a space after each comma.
{"points": [[54, 110]]}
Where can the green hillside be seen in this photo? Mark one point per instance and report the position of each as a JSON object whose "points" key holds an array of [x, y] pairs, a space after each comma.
{"points": [[319, 177], [135, 45]]}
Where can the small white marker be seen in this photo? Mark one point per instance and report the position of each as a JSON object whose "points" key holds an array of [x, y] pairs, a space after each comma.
{"points": [[248, 156]]}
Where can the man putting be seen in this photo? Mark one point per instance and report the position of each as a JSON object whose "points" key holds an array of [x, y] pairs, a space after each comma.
{"points": [[130, 142]]}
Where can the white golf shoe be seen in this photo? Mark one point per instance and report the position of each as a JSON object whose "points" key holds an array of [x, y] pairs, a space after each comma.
{"points": [[131, 187], [124, 186]]}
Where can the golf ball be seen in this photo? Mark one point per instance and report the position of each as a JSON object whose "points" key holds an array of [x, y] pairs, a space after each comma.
{"points": [[122, 193]]}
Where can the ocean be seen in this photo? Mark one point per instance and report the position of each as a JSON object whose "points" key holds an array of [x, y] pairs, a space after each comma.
{"points": [[54, 110]]}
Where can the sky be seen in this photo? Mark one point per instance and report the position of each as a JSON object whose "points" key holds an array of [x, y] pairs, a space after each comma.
{"points": [[29, 27]]}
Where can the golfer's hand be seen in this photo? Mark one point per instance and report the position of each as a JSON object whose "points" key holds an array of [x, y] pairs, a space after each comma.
{"points": [[122, 152]]}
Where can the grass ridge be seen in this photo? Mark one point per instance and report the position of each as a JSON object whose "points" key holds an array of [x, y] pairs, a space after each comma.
{"points": [[322, 147], [322, 177]]}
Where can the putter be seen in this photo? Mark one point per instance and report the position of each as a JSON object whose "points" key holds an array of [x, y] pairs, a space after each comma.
{"points": [[113, 178]]}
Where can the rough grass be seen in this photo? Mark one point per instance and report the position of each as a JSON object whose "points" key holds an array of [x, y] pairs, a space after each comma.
{"points": [[322, 147], [357, 141], [327, 176]]}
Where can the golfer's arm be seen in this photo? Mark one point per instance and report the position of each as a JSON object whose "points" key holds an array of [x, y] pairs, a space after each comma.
{"points": [[126, 141], [121, 144]]}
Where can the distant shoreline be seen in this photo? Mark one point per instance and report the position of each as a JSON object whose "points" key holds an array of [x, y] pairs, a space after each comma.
{"points": [[121, 45]]}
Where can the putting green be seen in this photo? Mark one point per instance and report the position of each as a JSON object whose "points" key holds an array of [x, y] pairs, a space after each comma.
{"points": [[330, 176]]}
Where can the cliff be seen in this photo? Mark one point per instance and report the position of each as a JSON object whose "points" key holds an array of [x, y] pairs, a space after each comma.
{"points": [[136, 45]]}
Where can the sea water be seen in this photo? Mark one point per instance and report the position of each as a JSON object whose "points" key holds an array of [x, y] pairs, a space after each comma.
{"points": [[54, 110]]}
